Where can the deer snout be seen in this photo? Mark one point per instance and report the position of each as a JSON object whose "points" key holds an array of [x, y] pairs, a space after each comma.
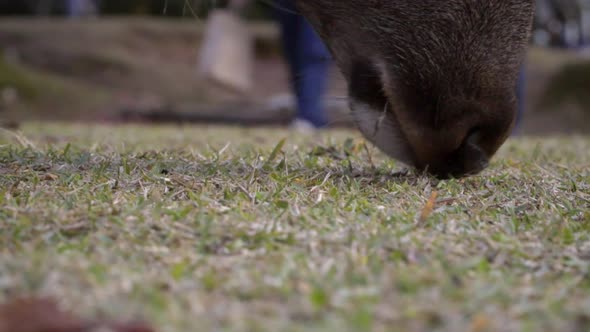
{"points": [[466, 159]]}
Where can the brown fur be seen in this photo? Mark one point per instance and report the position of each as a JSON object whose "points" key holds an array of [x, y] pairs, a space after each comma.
{"points": [[431, 82]]}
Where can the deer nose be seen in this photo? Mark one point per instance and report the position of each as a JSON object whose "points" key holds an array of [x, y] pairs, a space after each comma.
{"points": [[469, 158]]}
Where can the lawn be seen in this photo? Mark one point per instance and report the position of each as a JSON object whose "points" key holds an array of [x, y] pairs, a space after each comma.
{"points": [[202, 229]]}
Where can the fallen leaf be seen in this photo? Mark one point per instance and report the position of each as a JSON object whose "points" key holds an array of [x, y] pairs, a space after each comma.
{"points": [[480, 323], [38, 315], [428, 207], [44, 315], [75, 229], [50, 177]]}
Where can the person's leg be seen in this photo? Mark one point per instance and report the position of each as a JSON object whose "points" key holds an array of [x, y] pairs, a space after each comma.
{"points": [[308, 61], [80, 8], [312, 76], [288, 22], [520, 95], [73, 8]]}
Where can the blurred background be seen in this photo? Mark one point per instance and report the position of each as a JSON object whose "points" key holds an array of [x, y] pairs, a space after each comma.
{"points": [[142, 60]]}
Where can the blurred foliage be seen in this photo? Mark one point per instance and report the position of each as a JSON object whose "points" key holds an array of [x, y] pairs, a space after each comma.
{"points": [[44, 92], [569, 85]]}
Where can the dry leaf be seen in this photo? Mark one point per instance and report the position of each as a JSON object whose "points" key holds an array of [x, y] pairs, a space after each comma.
{"points": [[44, 315], [38, 315], [50, 177], [428, 207], [480, 323]]}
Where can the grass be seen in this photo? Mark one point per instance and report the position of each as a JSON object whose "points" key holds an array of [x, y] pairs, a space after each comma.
{"points": [[36, 89], [567, 86], [202, 229]]}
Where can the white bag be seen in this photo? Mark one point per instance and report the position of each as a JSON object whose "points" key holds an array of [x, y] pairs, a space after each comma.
{"points": [[226, 54]]}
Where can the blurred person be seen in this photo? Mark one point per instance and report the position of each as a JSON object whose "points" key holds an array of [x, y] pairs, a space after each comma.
{"points": [[562, 23], [585, 23], [81, 8], [569, 21], [570, 12], [309, 62], [521, 96], [575, 18]]}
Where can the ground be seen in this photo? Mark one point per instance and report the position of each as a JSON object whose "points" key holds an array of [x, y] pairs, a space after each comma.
{"points": [[219, 228]]}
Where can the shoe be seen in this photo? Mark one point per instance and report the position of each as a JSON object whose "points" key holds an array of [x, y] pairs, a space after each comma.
{"points": [[303, 126]]}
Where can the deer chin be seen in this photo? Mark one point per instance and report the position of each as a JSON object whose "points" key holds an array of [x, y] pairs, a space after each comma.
{"points": [[381, 128]]}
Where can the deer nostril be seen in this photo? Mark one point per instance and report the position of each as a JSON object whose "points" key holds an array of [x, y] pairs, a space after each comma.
{"points": [[470, 158]]}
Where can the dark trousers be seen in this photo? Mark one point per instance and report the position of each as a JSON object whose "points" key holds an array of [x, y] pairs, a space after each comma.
{"points": [[309, 62], [520, 96]]}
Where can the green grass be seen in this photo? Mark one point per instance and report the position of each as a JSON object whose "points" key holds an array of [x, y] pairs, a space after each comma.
{"points": [[195, 234], [568, 85], [46, 93]]}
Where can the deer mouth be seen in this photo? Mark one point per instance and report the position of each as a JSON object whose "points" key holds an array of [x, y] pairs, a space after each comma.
{"points": [[380, 127], [383, 119], [373, 113]]}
